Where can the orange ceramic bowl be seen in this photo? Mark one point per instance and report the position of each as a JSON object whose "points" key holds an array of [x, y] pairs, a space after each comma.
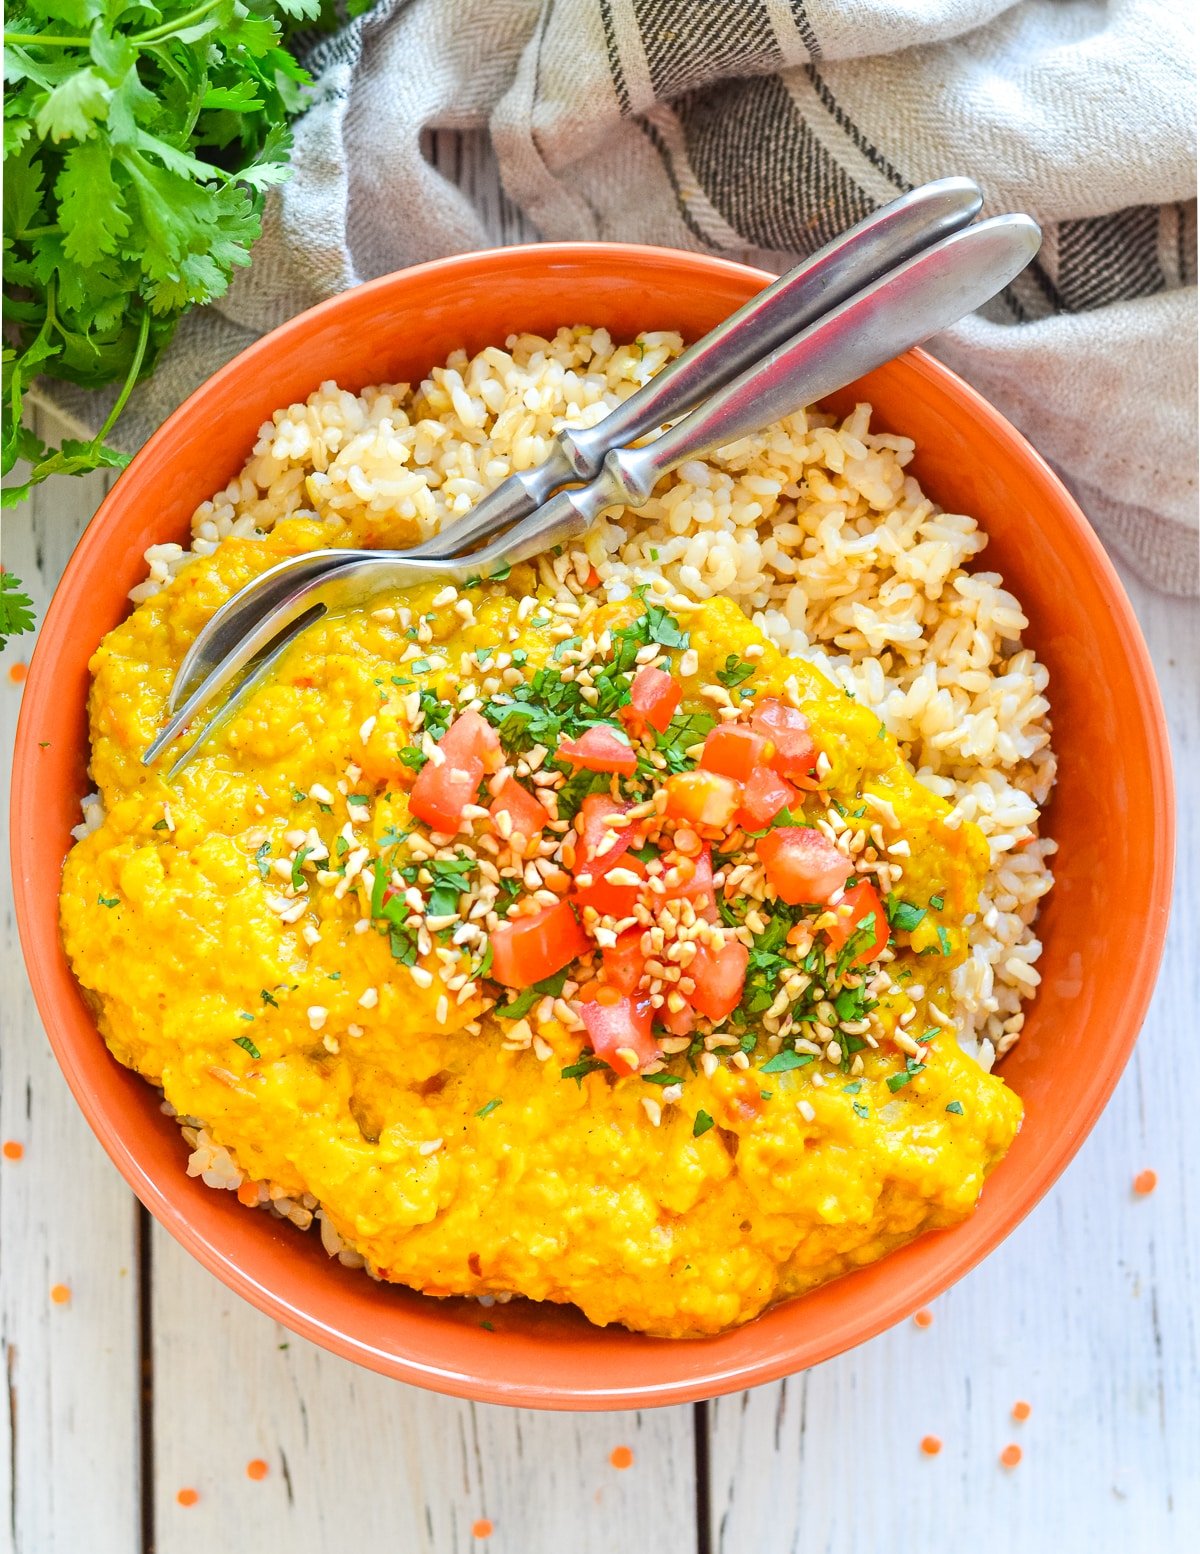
{"points": [[1112, 815]]}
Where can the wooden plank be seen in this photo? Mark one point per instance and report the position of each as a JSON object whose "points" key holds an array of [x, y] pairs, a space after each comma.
{"points": [[354, 1458], [69, 1437], [1086, 1312]]}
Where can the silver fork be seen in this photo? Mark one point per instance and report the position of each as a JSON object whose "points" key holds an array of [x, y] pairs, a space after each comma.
{"points": [[905, 306], [877, 244]]}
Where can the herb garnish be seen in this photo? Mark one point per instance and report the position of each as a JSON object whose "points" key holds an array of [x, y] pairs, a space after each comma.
{"points": [[734, 672], [487, 1109], [247, 1045], [702, 1124], [787, 1059], [549, 987]]}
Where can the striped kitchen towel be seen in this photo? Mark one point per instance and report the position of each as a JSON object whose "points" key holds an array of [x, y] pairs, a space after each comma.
{"points": [[760, 129]]}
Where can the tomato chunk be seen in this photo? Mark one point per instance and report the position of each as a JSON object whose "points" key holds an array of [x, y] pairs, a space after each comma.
{"points": [[794, 752], [802, 864], [860, 903], [697, 885], [763, 796], [735, 750], [599, 749], [592, 826], [441, 793], [653, 698], [472, 735], [677, 1023], [720, 976], [702, 798], [618, 1027], [528, 949], [624, 961], [525, 815], [608, 898]]}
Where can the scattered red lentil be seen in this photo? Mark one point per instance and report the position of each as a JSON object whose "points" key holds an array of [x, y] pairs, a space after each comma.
{"points": [[931, 1445], [60, 1294], [483, 1528], [924, 1317], [13, 1149], [1010, 1456], [17, 673], [256, 1468], [621, 1456], [1021, 1411], [187, 1496], [1145, 1182]]}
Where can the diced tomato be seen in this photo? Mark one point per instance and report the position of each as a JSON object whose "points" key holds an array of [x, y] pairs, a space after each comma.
{"points": [[624, 961], [653, 698], [440, 793], [526, 950], [619, 1029], [591, 826], [859, 903], [703, 798], [698, 886], [794, 752], [472, 735], [525, 814], [608, 899], [681, 1023], [720, 976], [802, 864], [735, 750], [599, 749], [763, 796]]}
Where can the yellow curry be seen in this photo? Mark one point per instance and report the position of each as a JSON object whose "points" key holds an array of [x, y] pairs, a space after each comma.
{"points": [[345, 993]]}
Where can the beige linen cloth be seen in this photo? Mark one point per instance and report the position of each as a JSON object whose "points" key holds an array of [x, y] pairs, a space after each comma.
{"points": [[760, 129]]}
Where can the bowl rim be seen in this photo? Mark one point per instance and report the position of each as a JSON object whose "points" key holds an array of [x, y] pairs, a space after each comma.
{"points": [[687, 1384]]}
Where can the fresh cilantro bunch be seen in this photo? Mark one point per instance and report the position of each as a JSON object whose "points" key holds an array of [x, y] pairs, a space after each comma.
{"points": [[139, 139]]}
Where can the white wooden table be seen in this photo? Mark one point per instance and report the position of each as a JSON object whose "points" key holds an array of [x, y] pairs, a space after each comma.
{"points": [[152, 1378]]}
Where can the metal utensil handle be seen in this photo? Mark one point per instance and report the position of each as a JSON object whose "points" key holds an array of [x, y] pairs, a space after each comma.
{"points": [[929, 293], [829, 277], [842, 268]]}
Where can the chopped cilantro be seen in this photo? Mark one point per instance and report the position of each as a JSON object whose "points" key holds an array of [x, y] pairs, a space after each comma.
{"points": [[937, 902], [499, 575], [260, 859], [944, 940], [298, 797], [247, 1045], [490, 1107], [449, 882], [576, 788], [159, 825], [734, 672], [341, 846], [419, 666], [488, 1327], [485, 965], [242, 1015], [910, 1071], [690, 728], [108, 901], [436, 713], [298, 866], [586, 1065], [903, 914], [702, 1124], [267, 998], [519, 657], [765, 1095], [391, 837], [956, 1107], [785, 1060], [861, 1110], [482, 654], [662, 1079], [854, 1087], [565, 646], [524, 1001]]}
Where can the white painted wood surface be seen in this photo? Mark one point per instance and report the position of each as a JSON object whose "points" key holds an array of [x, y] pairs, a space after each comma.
{"points": [[1087, 1312]]}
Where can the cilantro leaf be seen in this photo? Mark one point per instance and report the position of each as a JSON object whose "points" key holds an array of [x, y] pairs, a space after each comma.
{"points": [[16, 609]]}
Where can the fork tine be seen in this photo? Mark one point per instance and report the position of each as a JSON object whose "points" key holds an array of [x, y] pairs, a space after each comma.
{"points": [[241, 610], [258, 637], [258, 672]]}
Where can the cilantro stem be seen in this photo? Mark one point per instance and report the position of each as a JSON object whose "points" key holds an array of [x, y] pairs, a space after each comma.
{"points": [[37, 232], [54, 40], [131, 378], [59, 40]]}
